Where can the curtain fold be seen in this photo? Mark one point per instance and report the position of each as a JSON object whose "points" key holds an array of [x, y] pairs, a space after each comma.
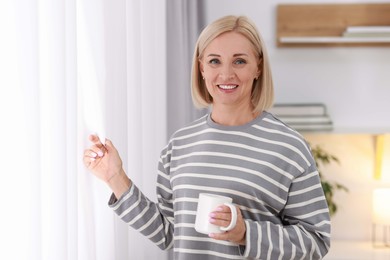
{"points": [[16, 223], [146, 106], [38, 91], [184, 23], [53, 137]]}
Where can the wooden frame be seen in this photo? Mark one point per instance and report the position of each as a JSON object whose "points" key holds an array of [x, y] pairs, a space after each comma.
{"points": [[300, 25]]}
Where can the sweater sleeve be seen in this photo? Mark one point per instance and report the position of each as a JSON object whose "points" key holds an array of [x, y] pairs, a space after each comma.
{"points": [[153, 220], [305, 229]]}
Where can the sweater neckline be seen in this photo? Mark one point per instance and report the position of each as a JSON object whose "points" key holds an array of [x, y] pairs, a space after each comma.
{"points": [[256, 120]]}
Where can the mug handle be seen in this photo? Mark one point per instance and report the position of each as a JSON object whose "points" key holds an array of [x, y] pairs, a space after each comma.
{"points": [[233, 221]]}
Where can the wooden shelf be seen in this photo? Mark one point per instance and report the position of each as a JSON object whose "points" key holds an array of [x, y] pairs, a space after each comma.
{"points": [[320, 40], [300, 25]]}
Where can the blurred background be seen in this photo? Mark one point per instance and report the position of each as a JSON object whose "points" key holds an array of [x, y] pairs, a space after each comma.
{"points": [[121, 69]]}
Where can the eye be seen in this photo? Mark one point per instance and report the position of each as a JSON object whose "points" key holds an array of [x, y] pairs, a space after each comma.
{"points": [[214, 61], [240, 61]]}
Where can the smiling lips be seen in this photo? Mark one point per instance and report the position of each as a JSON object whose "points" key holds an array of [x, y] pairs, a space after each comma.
{"points": [[227, 87]]}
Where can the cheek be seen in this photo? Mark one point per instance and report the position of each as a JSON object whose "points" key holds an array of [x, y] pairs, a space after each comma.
{"points": [[247, 77], [210, 74], [210, 78], [209, 86]]}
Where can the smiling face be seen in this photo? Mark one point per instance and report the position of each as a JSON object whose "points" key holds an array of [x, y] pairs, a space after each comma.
{"points": [[229, 66]]}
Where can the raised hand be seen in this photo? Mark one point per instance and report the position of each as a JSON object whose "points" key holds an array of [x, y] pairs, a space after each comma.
{"points": [[105, 163]]}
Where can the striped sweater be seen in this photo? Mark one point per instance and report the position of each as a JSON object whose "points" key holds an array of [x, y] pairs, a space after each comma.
{"points": [[268, 170]]}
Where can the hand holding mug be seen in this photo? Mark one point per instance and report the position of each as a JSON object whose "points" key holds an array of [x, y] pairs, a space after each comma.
{"points": [[218, 217]]}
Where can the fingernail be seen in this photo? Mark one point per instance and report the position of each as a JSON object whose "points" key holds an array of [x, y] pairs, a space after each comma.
{"points": [[212, 215], [93, 159], [100, 153], [93, 154], [219, 209], [211, 220], [211, 235]]}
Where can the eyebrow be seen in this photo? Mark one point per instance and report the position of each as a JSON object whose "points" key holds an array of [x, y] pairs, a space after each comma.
{"points": [[235, 55]]}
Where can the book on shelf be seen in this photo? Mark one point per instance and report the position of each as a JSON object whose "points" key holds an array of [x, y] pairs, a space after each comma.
{"points": [[322, 119], [303, 117], [312, 109], [312, 127]]}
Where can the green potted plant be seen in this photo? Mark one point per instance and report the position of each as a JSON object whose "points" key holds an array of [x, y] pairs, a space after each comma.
{"points": [[322, 159]]}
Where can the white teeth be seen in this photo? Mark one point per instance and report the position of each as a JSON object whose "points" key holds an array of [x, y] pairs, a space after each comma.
{"points": [[227, 86]]}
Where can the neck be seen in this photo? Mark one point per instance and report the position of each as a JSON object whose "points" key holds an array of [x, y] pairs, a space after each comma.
{"points": [[233, 116]]}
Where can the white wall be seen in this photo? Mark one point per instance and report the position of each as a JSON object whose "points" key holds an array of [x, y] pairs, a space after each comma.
{"points": [[353, 82], [353, 220]]}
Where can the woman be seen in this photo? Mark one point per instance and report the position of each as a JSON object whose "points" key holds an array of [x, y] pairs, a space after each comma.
{"points": [[238, 150]]}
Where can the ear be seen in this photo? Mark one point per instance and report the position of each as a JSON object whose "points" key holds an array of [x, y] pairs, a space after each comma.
{"points": [[259, 68], [201, 69], [258, 73]]}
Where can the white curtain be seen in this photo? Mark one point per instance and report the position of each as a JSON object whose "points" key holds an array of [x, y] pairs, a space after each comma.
{"points": [[39, 217], [69, 68]]}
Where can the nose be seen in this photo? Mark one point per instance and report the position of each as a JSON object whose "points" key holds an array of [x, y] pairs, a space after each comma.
{"points": [[226, 72]]}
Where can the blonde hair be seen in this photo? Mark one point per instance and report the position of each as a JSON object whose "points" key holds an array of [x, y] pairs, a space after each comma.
{"points": [[262, 90]]}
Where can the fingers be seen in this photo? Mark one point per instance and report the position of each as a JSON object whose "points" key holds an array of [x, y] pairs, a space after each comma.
{"points": [[96, 151], [94, 139], [222, 217], [108, 145], [91, 155], [97, 142]]}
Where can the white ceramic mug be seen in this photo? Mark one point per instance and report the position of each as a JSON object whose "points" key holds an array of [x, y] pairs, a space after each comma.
{"points": [[208, 203]]}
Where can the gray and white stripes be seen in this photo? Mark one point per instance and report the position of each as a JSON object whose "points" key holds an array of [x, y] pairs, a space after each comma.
{"points": [[268, 170]]}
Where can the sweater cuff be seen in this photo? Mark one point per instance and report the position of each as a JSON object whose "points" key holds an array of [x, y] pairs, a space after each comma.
{"points": [[245, 249], [113, 202], [253, 241]]}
